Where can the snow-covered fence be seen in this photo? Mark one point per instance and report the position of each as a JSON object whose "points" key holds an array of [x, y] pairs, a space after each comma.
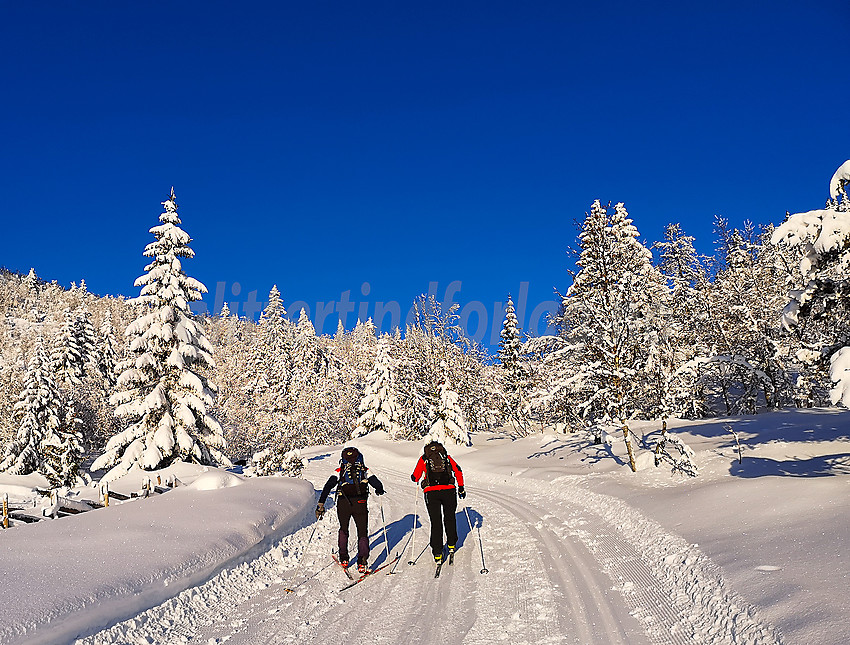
{"points": [[17, 513], [64, 506]]}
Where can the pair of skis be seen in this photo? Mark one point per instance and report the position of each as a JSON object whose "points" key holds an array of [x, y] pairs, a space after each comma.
{"points": [[440, 564], [364, 575]]}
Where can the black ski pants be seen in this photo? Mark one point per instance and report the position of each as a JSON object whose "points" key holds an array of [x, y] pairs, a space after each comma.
{"points": [[346, 509], [442, 506]]}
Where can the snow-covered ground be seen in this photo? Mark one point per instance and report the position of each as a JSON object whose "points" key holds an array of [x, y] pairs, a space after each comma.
{"points": [[578, 548]]}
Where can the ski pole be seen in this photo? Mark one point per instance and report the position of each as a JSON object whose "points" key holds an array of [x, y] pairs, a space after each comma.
{"points": [[384, 522], [403, 551], [300, 562], [424, 548], [415, 509], [484, 568]]}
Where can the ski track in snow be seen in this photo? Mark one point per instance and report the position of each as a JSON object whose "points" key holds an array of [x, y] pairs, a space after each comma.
{"points": [[566, 566]]}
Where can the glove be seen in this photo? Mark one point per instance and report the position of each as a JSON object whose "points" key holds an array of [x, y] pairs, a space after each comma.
{"points": [[320, 511], [461, 492], [413, 478], [379, 491]]}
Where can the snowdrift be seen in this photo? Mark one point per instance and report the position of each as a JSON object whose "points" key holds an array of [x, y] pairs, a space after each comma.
{"points": [[75, 575]]}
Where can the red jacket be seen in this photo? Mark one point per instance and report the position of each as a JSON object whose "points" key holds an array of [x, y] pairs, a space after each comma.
{"points": [[420, 470]]}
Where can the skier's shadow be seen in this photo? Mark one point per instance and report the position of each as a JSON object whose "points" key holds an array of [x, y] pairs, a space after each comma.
{"points": [[463, 528], [397, 537]]}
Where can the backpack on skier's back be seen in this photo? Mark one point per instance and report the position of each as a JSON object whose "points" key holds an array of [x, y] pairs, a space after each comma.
{"points": [[353, 474], [438, 470]]}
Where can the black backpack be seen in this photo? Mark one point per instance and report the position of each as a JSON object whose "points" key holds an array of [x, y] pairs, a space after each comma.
{"points": [[353, 474], [438, 470]]}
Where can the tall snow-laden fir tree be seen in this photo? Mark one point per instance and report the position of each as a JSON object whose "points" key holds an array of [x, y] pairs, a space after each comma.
{"points": [[379, 409], [162, 392], [30, 281], [107, 354], [307, 357], [86, 339], [448, 422], [609, 314], [274, 327], [272, 356], [63, 450], [510, 343], [819, 309], [513, 373], [66, 360], [38, 411]]}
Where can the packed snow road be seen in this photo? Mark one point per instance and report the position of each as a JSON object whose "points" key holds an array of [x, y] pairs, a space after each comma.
{"points": [[566, 565]]}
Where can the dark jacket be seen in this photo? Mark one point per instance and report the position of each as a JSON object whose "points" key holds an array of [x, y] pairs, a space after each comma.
{"points": [[334, 480]]}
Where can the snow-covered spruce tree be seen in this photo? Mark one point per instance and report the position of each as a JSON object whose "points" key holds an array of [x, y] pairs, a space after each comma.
{"points": [[31, 282], [823, 297], [272, 462], [309, 361], [609, 314], [107, 355], [86, 339], [66, 359], [513, 373], [63, 450], [270, 371], [379, 409], [162, 391], [275, 329], [448, 423], [38, 413]]}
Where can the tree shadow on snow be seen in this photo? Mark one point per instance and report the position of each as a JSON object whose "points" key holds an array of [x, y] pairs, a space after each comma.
{"points": [[790, 425], [547, 451], [822, 466]]}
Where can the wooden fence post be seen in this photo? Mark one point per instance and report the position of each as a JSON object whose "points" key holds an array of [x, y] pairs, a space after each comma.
{"points": [[5, 510]]}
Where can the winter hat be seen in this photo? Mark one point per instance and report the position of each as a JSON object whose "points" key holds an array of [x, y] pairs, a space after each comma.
{"points": [[350, 454]]}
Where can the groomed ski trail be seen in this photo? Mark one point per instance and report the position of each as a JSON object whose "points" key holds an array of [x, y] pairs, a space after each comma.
{"points": [[566, 566]]}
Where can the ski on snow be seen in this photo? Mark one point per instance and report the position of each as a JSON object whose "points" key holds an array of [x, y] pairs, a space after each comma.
{"points": [[441, 562], [369, 573], [345, 569]]}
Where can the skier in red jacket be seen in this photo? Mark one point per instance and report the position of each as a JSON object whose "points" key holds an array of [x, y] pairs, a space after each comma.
{"points": [[443, 484]]}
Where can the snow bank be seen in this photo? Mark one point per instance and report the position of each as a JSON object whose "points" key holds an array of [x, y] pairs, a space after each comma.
{"points": [[215, 480], [22, 487], [76, 575]]}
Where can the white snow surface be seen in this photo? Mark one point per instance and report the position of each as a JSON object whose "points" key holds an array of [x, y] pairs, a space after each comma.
{"points": [[579, 549], [75, 574]]}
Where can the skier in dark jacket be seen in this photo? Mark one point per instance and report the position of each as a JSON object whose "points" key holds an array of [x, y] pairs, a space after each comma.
{"points": [[442, 484], [351, 482]]}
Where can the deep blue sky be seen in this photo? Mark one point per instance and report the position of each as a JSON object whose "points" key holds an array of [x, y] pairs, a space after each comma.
{"points": [[321, 145]]}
